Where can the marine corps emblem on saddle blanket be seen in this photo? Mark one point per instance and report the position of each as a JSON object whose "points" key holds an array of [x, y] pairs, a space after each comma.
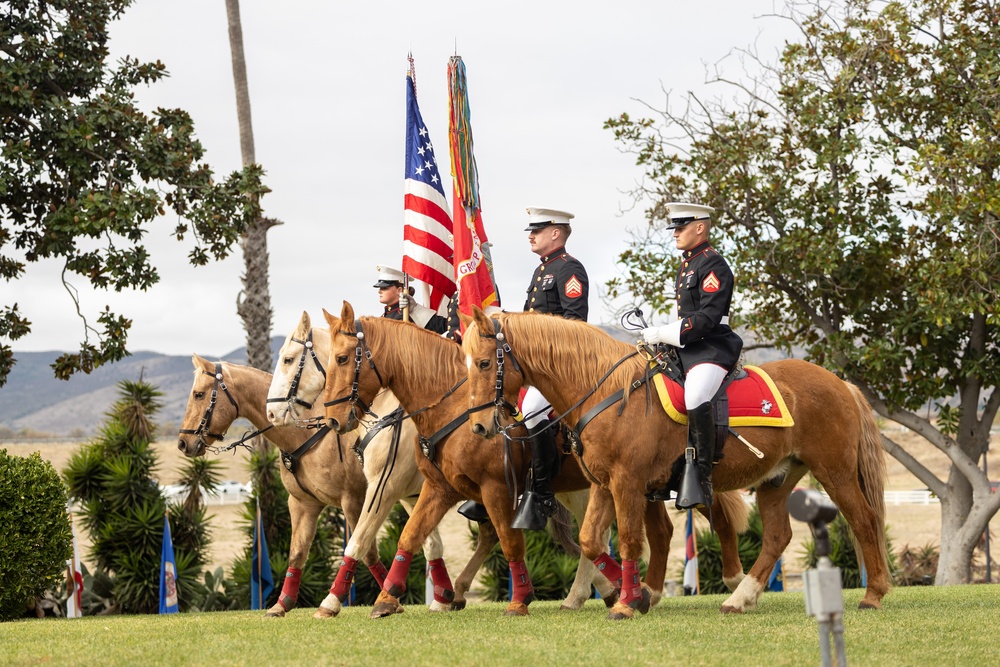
{"points": [[754, 400]]}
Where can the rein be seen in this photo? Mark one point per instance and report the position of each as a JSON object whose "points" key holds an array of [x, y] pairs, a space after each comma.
{"points": [[293, 388], [206, 420]]}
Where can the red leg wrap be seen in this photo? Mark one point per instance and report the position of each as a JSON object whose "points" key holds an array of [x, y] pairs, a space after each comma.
{"points": [[631, 583], [395, 581], [341, 588], [290, 589], [523, 590], [610, 568], [443, 592], [378, 571]]}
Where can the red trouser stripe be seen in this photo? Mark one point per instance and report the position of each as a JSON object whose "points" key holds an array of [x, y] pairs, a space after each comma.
{"points": [[610, 568], [290, 589], [523, 590], [443, 592], [395, 581], [631, 583], [345, 576], [378, 571]]}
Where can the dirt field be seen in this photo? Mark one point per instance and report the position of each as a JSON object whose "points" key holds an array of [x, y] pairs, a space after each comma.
{"points": [[915, 525]]}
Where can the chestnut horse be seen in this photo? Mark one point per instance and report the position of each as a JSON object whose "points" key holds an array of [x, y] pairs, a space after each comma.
{"points": [[325, 473], [834, 436], [425, 372], [390, 468]]}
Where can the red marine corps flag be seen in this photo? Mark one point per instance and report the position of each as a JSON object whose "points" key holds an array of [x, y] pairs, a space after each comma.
{"points": [[426, 223], [473, 266]]}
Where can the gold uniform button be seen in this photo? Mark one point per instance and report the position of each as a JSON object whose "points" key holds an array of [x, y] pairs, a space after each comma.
{"points": [[532, 299]]}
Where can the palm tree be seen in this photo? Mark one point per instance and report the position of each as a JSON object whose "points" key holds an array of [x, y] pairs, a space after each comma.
{"points": [[253, 304]]}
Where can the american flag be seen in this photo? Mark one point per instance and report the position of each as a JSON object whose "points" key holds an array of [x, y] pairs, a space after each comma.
{"points": [[427, 227]]}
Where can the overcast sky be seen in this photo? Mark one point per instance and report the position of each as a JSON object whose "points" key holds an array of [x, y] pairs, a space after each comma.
{"points": [[327, 94]]}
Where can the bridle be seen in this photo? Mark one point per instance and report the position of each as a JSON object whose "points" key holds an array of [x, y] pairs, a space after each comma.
{"points": [[293, 388], [361, 352], [206, 420], [500, 404]]}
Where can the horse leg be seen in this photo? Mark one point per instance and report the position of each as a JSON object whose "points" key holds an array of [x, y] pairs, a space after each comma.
{"points": [[498, 505], [331, 604], [595, 533], [303, 515], [659, 531], [444, 594], [487, 539], [777, 533], [586, 572], [630, 510], [431, 506], [729, 519]]}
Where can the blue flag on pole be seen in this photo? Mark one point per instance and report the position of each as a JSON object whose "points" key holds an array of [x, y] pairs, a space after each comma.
{"points": [[691, 584], [261, 579], [776, 582], [168, 572]]}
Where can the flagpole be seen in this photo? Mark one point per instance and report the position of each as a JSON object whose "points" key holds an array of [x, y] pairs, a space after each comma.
{"points": [[406, 291], [260, 582]]}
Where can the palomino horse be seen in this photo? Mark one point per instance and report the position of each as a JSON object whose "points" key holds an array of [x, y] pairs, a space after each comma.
{"points": [[834, 436], [299, 379], [426, 373], [322, 473]]}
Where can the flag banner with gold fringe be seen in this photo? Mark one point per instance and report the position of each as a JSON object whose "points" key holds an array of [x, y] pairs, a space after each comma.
{"points": [[168, 572], [261, 579]]}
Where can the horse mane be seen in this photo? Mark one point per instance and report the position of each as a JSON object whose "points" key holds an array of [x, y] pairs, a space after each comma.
{"points": [[401, 342], [550, 339]]}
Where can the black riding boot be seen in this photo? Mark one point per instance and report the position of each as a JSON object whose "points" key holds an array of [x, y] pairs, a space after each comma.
{"points": [[474, 511], [696, 486], [538, 503]]}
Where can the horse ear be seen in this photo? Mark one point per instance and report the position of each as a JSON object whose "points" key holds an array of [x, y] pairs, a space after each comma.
{"points": [[305, 324], [203, 364], [347, 318], [482, 321], [465, 320], [331, 321]]}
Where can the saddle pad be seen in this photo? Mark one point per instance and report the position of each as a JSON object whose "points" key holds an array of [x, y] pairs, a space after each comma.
{"points": [[753, 400]]}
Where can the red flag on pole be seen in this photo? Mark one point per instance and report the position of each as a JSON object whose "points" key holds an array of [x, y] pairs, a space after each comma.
{"points": [[427, 227], [473, 267]]}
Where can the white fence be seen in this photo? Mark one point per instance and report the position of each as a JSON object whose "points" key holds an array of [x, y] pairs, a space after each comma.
{"points": [[229, 493]]}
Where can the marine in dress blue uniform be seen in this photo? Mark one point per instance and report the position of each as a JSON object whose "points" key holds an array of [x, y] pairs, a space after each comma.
{"points": [[393, 297], [708, 348]]}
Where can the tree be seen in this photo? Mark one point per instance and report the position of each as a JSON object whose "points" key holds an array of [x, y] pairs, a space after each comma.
{"points": [[254, 302], [857, 182], [84, 172]]}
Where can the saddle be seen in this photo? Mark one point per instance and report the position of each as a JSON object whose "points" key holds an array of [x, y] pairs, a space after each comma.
{"points": [[752, 397]]}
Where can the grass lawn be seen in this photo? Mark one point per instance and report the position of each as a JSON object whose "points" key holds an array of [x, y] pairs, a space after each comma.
{"points": [[919, 626]]}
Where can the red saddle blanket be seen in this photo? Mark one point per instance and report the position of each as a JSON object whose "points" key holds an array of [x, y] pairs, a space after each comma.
{"points": [[753, 400]]}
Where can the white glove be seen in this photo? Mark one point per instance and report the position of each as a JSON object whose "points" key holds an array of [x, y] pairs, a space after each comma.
{"points": [[404, 300], [669, 334]]}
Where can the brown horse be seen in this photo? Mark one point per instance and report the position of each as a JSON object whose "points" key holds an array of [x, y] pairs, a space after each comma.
{"points": [[834, 436], [425, 372], [326, 473]]}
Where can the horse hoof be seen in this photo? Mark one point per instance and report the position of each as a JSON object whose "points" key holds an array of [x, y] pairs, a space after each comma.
{"points": [[621, 612], [869, 605], [385, 605], [645, 601], [729, 609], [275, 612], [458, 605], [323, 612], [516, 609], [610, 601]]}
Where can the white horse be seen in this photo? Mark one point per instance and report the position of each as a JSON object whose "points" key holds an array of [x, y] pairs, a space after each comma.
{"points": [[297, 385]]}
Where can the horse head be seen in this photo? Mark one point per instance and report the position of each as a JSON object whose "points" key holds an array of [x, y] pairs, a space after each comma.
{"points": [[211, 409], [352, 382], [299, 374], [495, 378]]}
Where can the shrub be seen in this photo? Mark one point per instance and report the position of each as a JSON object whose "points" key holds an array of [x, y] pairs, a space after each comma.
{"points": [[842, 553], [710, 553], [35, 534], [917, 566]]}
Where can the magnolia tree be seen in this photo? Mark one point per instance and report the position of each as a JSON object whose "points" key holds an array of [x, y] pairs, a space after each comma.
{"points": [[84, 172], [857, 185]]}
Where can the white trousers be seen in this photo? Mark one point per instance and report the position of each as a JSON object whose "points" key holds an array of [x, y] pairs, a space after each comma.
{"points": [[700, 384], [535, 402]]}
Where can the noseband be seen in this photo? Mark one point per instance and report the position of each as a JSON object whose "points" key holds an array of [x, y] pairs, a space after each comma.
{"points": [[206, 420], [361, 352], [293, 388]]}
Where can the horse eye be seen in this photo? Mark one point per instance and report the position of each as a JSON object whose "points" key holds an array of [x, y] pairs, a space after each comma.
{"points": [[341, 360], [288, 361], [484, 364], [198, 395]]}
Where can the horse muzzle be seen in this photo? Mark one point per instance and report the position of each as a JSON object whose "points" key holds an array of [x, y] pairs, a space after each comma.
{"points": [[484, 431], [192, 449]]}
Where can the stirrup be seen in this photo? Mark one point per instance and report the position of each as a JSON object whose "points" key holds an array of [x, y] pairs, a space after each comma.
{"points": [[474, 511], [691, 493], [533, 512]]}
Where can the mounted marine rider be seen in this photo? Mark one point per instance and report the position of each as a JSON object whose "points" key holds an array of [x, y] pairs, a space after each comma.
{"points": [[708, 348], [559, 286], [393, 296]]}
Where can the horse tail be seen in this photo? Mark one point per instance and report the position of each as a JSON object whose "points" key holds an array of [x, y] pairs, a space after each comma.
{"points": [[736, 510], [561, 526], [871, 467]]}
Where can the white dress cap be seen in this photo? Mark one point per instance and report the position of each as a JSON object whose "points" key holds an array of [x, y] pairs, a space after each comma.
{"points": [[388, 276], [680, 213], [540, 218]]}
